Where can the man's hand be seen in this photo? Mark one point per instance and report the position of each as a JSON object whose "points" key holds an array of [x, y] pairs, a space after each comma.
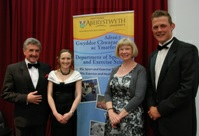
{"points": [[153, 113], [34, 98]]}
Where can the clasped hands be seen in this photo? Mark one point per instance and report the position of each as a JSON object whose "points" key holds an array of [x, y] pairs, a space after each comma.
{"points": [[114, 118], [63, 119], [153, 113]]}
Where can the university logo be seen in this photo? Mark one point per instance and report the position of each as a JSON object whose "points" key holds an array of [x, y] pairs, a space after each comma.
{"points": [[82, 23]]}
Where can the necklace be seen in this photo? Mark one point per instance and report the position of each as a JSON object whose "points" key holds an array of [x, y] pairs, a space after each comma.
{"points": [[64, 73]]}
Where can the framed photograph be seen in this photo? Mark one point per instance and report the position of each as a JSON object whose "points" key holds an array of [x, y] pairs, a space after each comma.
{"points": [[90, 89], [100, 102], [96, 128]]}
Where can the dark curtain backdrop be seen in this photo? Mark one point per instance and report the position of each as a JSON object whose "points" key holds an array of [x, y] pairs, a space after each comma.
{"points": [[51, 22]]}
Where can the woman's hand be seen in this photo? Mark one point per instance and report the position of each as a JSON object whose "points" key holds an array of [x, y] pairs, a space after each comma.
{"points": [[114, 118], [60, 118], [67, 116]]}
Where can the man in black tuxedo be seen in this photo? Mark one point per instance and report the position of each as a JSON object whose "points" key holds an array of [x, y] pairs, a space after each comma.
{"points": [[25, 85], [173, 78]]}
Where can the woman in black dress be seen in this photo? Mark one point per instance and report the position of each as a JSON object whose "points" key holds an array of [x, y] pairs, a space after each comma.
{"points": [[64, 95]]}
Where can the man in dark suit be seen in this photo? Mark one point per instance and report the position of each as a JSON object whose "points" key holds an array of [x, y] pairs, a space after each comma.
{"points": [[173, 78], [25, 85]]}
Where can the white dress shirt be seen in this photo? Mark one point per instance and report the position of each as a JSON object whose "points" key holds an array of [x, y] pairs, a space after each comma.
{"points": [[34, 74], [160, 60]]}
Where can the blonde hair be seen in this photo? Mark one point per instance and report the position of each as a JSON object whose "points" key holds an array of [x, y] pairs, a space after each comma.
{"points": [[126, 41]]}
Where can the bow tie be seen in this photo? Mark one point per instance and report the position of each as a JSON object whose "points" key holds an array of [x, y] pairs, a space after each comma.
{"points": [[33, 65], [165, 45]]}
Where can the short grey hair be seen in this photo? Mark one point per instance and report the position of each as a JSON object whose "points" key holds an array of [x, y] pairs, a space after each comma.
{"points": [[33, 41]]}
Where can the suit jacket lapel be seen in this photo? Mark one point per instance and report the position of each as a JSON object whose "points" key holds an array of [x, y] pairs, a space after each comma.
{"points": [[152, 67], [41, 76], [26, 76], [168, 60]]}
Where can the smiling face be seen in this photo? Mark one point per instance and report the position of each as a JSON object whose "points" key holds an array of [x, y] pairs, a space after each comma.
{"points": [[65, 60], [125, 52], [126, 49], [32, 53], [162, 29]]}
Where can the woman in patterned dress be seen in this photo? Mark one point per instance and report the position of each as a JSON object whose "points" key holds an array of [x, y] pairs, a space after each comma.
{"points": [[64, 95], [125, 93]]}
